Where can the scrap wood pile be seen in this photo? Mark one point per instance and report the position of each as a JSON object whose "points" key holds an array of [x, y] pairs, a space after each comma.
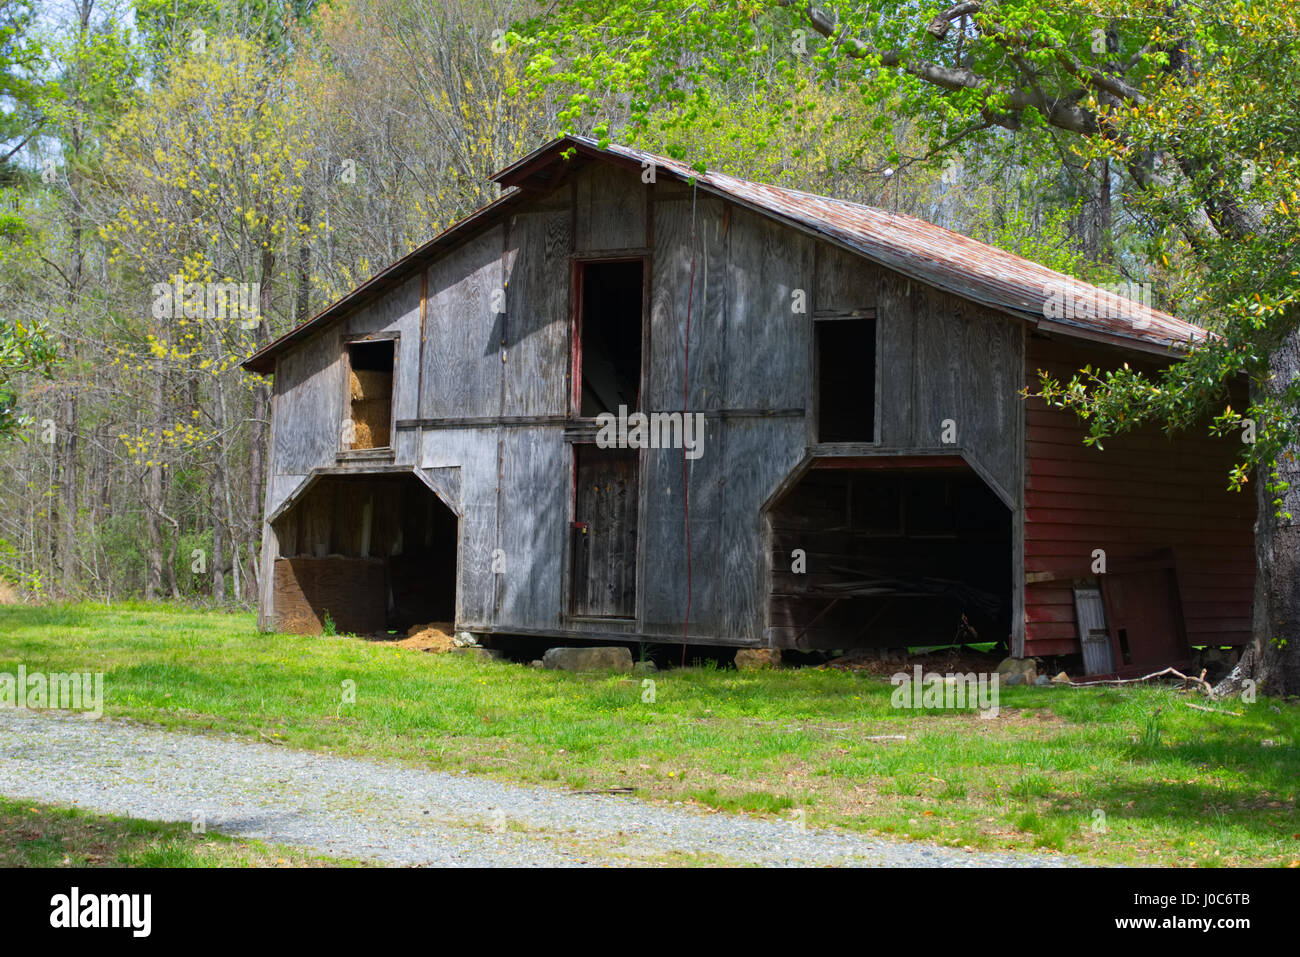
{"points": [[868, 585], [884, 662]]}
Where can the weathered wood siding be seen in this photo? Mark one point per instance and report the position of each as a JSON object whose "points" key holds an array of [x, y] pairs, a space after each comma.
{"points": [[1142, 493], [309, 388], [939, 358], [481, 403]]}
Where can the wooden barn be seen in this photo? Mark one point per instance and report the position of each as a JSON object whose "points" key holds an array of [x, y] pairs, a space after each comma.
{"points": [[864, 470]]}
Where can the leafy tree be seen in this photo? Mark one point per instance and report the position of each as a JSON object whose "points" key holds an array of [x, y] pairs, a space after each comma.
{"points": [[24, 345], [171, 28], [204, 219], [21, 59], [1192, 107]]}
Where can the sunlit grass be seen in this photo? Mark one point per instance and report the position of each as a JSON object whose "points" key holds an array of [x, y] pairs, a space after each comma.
{"points": [[1065, 770]]}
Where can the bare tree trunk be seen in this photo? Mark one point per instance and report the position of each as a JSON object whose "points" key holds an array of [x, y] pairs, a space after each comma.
{"points": [[1105, 217], [153, 511], [68, 424], [218, 525], [257, 440], [68, 490], [173, 547], [153, 497]]}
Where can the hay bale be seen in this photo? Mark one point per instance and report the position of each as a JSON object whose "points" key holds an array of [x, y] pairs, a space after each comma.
{"points": [[370, 384], [371, 423]]}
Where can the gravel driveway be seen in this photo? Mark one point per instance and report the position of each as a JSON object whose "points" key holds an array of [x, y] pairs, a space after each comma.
{"points": [[397, 814]]}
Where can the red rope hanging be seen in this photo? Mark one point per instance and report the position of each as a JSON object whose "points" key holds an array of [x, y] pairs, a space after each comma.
{"points": [[686, 483]]}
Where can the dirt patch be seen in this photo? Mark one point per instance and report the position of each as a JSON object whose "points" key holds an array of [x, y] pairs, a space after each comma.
{"points": [[944, 661], [7, 594], [434, 638]]}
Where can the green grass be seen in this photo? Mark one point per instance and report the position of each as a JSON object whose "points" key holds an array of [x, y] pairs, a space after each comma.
{"points": [[38, 835], [1086, 772]]}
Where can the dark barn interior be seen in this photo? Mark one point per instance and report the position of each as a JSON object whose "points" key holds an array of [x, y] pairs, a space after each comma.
{"points": [[376, 553], [846, 364], [893, 558], [610, 318]]}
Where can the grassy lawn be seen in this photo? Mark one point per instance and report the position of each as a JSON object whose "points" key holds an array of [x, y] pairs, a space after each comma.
{"points": [[1089, 772], [38, 835]]}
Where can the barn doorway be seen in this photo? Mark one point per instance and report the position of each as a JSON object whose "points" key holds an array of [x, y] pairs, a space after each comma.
{"points": [[369, 553], [879, 555], [607, 354]]}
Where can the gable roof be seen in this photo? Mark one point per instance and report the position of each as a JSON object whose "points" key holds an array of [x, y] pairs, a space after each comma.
{"points": [[913, 247]]}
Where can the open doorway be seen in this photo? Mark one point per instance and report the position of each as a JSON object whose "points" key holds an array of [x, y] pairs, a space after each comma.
{"points": [[368, 553], [370, 395], [846, 378], [891, 558], [607, 360]]}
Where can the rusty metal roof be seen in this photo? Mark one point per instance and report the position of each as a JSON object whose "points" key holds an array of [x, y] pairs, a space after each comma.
{"points": [[946, 259], [966, 267]]}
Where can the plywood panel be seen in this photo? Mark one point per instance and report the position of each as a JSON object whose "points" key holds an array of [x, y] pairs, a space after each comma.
{"points": [[760, 454], [670, 284], [767, 343], [474, 452], [464, 331], [534, 503], [611, 209], [664, 537], [352, 591], [537, 319], [896, 321], [308, 405]]}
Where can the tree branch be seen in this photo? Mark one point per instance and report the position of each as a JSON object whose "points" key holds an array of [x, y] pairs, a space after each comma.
{"points": [[1063, 112], [938, 27]]}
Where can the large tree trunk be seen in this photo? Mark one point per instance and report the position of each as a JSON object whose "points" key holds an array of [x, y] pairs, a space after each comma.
{"points": [[1272, 660]]}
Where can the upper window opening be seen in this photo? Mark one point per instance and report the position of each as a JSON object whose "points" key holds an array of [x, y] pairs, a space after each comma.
{"points": [[610, 330], [370, 392], [846, 379]]}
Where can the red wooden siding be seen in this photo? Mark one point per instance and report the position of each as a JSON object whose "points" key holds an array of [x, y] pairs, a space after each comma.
{"points": [[1142, 494]]}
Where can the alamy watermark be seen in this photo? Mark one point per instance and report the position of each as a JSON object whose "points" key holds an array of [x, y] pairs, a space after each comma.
{"points": [[58, 691], [207, 300], [658, 430], [932, 690], [74, 909], [1105, 301]]}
